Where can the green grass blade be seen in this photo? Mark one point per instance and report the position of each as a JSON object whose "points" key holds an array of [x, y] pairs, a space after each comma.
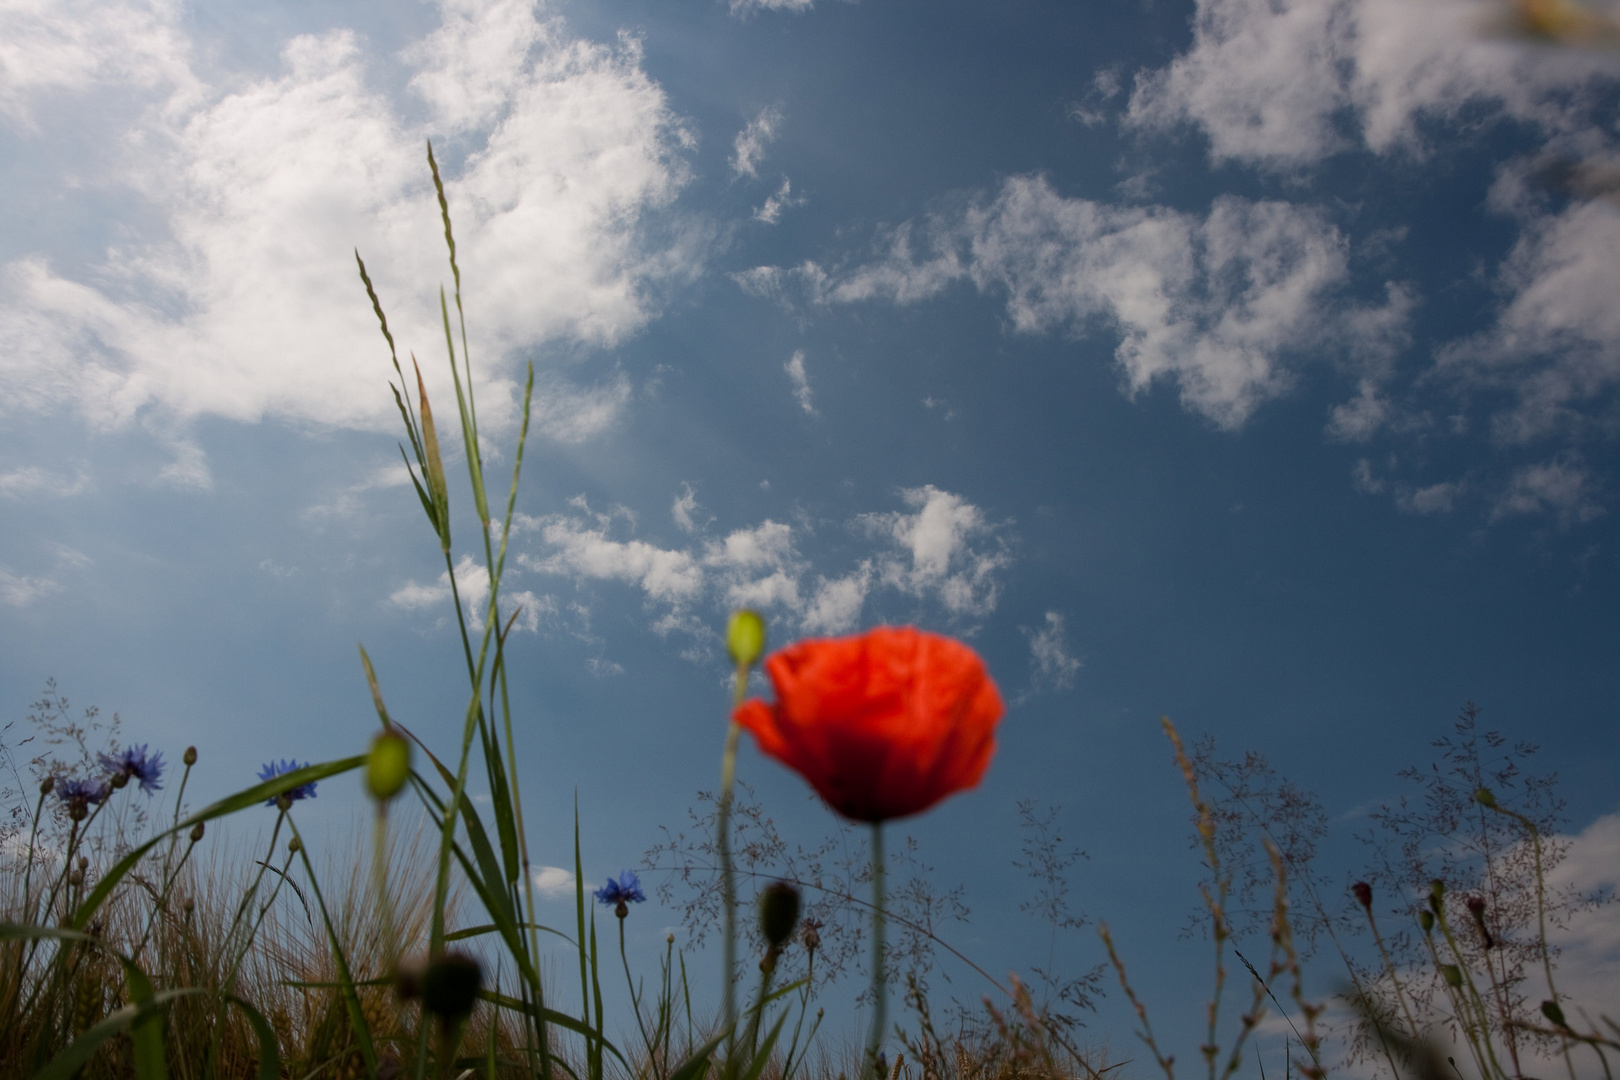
{"points": [[66, 1065], [489, 869], [490, 928], [376, 690], [696, 1066], [269, 1052], [351, 1000], [579, 916], [756, 1066], [243, 799], [562, 1020], [146, 1030]]}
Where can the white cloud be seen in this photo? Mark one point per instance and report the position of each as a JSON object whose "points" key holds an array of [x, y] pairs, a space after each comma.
{"points": [[770, 212], [1286, 83], [942, 551], [19, 590], [748, 149], [553, 882], [801, 382], [1434, 499], [1224, 306], [1556, 342], [938, 553], [747, 7], [248, 305], [30, 480], [681, 511], [472, 585], [1562, 486], [1049, 654]]}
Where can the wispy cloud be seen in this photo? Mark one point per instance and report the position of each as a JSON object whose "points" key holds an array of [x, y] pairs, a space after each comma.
{"points": [[1049, 657], [748, 149], [801, 382], [770, 212]]}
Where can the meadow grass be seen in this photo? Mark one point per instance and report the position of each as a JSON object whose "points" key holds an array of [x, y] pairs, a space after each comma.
{"points": [[131, 947]]}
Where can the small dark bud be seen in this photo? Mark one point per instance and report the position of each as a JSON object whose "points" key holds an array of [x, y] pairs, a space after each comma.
{"points": [[294, 846], [1363, 893], [189, 906], [197, 832], [1552, 1012], [1434, 903], [669, 939], [778, 912], [119, 779], [77, 810], [47, 785], [1437, 888], [1426, 920], [84, 862], [621, 909], [190, 756], [408, 981], [284, 802], [1452, 974], [76, 878], [1476, 907], [812, 935], [450, 986], [1485, 797]]}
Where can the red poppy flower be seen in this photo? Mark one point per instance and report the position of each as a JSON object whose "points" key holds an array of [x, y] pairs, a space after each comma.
{"points": [[883, 724]]}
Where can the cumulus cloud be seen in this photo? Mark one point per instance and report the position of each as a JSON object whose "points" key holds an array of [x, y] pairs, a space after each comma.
{"points": [[748, 7], [472, 585], [942, 550], [1562, 486], [246, 304], [1224, 305], [1287, 83], [801, 382], [748, 149], [1049, 657], [553, 882]]}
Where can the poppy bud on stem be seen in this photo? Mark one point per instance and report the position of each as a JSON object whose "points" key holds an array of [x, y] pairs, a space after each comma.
{"points": [[745, 642]]}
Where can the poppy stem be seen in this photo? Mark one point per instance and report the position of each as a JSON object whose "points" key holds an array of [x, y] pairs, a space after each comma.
{"points": [[728, 882], [880, 982]]}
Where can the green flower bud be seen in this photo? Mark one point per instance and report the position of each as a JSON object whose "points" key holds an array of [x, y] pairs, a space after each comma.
{"points": [[284, 802], [1426, 920], [1485, 797], [294, 846], [745, 637], [450, 986], [778, 912], [1552, 1012], [196, 832], [1452, 975], [190, 756], [47, 785], [1437, 889], [388, 766]]}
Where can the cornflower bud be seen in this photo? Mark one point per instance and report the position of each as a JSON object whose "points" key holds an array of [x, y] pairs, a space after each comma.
{"points": [[197, 832], [84, 862], [1363, 893], [76, 878], [1452, 975], [190, 756], [388, 766], [284, 802], [189, 906], [1485, 797], [47, 785], [294, 846], [1426, 920], [1552, 1012], [745, 637], [119, 779]]}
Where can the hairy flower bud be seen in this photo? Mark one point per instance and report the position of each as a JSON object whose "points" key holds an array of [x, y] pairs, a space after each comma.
{"points": [[778, 912], [119, 779], [190, 756], [450, 986], [388, 766], [1485, 797], [196, 832], [1363, 893], [76, 878], [47, 785], [189, 906], [284, 802], [745, 637], [294, 846]]}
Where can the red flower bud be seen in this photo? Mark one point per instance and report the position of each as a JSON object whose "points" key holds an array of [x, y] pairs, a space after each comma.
{"points": [[882, 724], [1363, 893]]}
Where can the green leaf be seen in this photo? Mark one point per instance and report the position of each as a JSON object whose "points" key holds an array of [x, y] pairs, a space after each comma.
{"points": [[696, 1066], [758, 1064], [67, 1064], [269, 1051], [489, 928], [376, 691]]}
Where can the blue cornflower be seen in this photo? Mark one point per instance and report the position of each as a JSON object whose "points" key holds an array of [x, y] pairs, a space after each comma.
{"points": [[621, 893], [80, 795], [136, 764], [273, 770]]}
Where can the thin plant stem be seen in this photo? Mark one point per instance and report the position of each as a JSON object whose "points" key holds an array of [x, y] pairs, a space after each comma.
{"points": [[880, 986], [728, 880]]}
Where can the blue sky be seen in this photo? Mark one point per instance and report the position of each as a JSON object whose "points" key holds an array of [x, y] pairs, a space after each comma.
{"points": [[1227, 361]]}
